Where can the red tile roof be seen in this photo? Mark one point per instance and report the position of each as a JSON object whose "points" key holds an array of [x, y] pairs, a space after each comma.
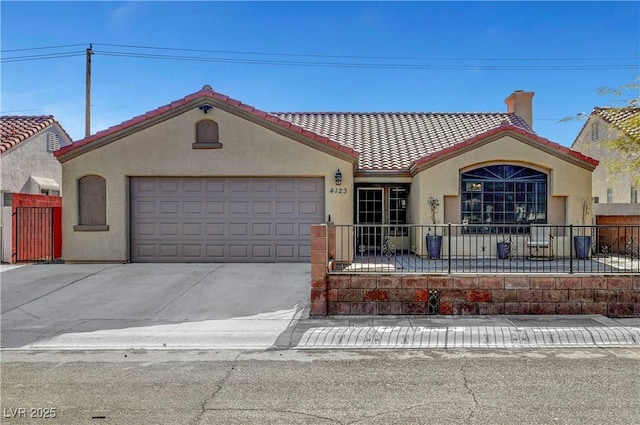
{"points": [[17, 129], [381, 141], [505, 128], [203, 94], [392, 141], [620, 118]]}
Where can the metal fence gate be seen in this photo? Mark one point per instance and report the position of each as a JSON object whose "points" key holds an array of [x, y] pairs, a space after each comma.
{"points": [[37, 234]]}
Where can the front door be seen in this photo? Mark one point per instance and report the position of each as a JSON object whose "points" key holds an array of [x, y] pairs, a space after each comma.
{"points": [[370, 217]]}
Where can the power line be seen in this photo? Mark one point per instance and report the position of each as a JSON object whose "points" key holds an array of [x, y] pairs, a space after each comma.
{"points": [[367, 65], [41, 57], [42, 48], [435, 65], [356, 56]]}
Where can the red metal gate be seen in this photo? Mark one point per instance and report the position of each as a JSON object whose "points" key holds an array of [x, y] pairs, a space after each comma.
{"points": [[38, 235]]}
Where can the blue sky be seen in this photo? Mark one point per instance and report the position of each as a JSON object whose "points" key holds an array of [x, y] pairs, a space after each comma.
{"points": [[391, 56]]}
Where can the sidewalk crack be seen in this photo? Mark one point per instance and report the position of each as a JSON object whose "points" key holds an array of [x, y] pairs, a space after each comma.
{"points": [[217, 390], [465, 382]]}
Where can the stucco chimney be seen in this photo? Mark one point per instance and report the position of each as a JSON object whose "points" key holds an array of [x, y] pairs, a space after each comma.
{"points": [[520, 103]]}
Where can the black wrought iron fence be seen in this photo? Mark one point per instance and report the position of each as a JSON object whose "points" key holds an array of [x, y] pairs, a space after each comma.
{"points": [[459, 248]]}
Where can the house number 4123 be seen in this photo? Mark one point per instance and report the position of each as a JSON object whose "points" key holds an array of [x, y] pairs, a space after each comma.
{"points": [[338, 190]]}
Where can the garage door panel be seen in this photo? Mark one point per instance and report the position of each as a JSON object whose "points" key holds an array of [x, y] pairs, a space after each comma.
{"points": [[215, 252], [192, 252], [216, 229], [168, 186], [263, 186], [309, 208], [169, 207], [285, 207], [262, 207], [239, 186], [238, 207], [286, 252], [169, 229], [224, 220]]}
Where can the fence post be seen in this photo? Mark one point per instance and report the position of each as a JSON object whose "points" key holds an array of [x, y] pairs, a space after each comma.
{"points": [[570, 250], [449, 248], [15, 223]]}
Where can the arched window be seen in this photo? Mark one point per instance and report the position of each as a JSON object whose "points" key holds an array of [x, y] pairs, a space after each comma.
{"points": [[207, 136], [92, 203], [500, 195]]}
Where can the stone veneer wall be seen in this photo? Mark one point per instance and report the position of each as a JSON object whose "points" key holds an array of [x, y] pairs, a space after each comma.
{"points": [[358, 294]]}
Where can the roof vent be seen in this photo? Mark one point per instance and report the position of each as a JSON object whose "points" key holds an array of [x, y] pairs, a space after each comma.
{"points": [[207, 87]]}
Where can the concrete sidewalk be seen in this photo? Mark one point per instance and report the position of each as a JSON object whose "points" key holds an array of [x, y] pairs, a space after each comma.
{"points": [[245, 306], [454, 332]]}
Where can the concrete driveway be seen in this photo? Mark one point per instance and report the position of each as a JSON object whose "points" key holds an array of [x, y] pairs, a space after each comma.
{"points": [[150, 305]]}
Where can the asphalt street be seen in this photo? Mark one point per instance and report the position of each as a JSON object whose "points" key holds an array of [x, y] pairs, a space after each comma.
{"points": [[552, 386]]}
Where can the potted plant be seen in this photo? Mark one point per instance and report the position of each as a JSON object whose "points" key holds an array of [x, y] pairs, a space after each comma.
{"points": [[434, 242], [582, 241], [504, 248]]}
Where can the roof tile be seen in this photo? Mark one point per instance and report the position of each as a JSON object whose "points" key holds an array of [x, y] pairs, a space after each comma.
{"points": [[16, 129], [392, 141]]}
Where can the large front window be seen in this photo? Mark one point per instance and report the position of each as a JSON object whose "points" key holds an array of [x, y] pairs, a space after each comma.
{"points": [[500, 195]]}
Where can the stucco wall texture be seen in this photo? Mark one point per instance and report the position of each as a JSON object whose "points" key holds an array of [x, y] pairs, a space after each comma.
{"points": [[165, 149], [29, 158]]}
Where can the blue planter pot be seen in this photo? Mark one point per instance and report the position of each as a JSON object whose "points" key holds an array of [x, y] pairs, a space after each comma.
{"points": [[504, 248], [582, 246], [434, 246]]}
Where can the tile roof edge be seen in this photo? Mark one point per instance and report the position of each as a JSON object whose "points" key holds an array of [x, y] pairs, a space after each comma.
{"points": [[208, 93], [494, 131], [48, 121], [388, 113]]}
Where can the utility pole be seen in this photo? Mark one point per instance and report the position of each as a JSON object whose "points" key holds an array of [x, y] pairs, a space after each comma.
{"points": [[87, 110]]}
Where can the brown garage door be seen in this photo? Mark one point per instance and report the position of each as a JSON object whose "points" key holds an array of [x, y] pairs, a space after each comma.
{"points": [[224, 219]]}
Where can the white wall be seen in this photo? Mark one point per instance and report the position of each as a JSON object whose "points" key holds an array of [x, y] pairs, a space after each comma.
{"points": [[30, 158]]}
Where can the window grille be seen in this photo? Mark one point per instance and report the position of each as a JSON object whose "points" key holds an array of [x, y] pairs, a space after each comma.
{"points": [[500, 195]]}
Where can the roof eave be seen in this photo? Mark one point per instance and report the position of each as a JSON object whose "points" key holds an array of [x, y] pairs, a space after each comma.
{"points": [[217, 100], [531, 139]]}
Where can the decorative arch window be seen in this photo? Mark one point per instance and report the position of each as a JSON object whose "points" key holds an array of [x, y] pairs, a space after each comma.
{"points": [[92, 204], [501, 195], [207, 136]]}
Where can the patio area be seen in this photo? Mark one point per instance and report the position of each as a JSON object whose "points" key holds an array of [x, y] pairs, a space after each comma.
{"points": [[411, 263]]}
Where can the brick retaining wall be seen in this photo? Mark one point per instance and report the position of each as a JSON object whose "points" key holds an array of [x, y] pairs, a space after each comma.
{"points": [[617, 296], [354, 294]]}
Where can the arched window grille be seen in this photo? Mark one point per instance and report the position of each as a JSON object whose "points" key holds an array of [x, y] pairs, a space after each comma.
{"points": [[501, 195]]}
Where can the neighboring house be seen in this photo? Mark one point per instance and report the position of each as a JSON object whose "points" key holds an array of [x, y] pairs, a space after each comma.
{"points": [[614, 194], [26, 154], [28, 167], [208, 178]]}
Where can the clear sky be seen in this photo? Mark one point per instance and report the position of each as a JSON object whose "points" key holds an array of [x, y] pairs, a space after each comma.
{"points": [[318, 56]]}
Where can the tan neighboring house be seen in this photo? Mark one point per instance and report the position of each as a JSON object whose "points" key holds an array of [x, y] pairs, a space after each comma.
{"points": [[615, 198], [207, 178], [27, 164]]}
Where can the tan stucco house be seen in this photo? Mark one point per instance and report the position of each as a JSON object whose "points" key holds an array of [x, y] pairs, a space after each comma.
{"points": [[207, 178], [614, 194]]}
